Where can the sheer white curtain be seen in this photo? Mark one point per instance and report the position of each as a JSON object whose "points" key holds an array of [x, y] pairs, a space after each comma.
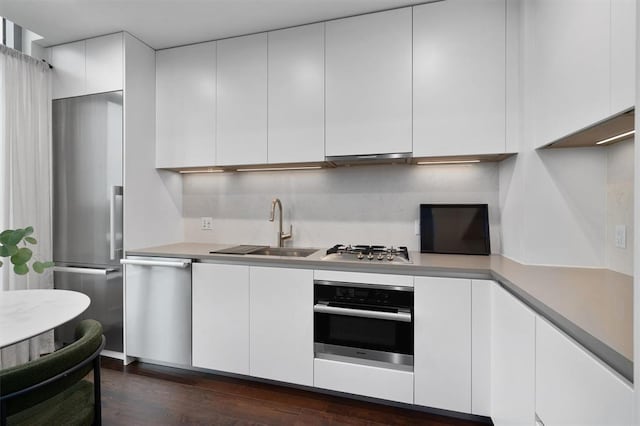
{"points": [[25, 177]]}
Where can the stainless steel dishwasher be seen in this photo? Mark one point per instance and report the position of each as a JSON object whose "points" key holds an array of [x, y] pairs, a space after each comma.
{"points": [[158, 309]]}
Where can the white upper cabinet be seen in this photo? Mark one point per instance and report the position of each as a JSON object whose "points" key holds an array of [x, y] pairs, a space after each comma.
{"points": [[296, 94], [368, 84], [104, 63], [242, 100], [623, 54], [570, 67], [573, 388], [442, 359], [88, 66], [459, 77], [69, 70], [186, 106]]}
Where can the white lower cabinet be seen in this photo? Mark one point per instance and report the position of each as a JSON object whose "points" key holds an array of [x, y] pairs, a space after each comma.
{"points": [[281, 324], [220, 317], [512, 360], [573, 388], [375, 382], [481, 347], [443, 343]]}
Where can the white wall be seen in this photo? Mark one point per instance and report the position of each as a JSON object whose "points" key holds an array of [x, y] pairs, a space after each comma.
{"points": [[620, 168], [352, 205], [151, 217], [556, 204]]}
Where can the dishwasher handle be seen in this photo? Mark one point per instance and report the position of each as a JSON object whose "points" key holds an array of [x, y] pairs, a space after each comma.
{"points": [[394, 316], [170, 263]]}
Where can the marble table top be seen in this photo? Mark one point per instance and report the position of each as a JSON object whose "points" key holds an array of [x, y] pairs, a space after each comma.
{"points": [[27, 313]]}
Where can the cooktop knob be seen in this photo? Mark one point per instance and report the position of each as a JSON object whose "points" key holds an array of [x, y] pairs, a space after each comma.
{"points": [[380, 256], [370, 256], [390, 257], [360, 256]]}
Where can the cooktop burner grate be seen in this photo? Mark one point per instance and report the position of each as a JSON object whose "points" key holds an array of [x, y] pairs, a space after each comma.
{"points": [[370, 252]]}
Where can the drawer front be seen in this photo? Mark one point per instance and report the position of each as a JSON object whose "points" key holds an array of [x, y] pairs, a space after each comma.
{"points": [[375, 382], [364, 278]]}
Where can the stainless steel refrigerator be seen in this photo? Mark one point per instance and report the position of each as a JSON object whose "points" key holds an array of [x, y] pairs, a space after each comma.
{"points": [[87, 209]]}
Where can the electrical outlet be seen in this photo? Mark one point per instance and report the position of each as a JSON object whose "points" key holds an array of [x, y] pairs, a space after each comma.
{"points": [[621, 236], [206, 223]]}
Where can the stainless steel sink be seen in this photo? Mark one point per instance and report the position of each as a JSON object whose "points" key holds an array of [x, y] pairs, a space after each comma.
{"points": [[284, 251]]}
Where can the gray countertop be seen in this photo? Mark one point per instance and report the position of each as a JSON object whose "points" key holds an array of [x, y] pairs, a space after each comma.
{"points": [[594, 306]]}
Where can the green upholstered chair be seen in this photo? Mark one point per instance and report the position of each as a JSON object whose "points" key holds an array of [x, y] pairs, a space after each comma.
{"points": [[51, 390]]}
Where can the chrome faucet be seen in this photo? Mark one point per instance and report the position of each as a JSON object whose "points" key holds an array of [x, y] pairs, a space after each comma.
{"points": [[281, 235]]}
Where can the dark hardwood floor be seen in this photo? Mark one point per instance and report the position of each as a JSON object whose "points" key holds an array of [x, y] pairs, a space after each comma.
{"points": [[146, 394]]}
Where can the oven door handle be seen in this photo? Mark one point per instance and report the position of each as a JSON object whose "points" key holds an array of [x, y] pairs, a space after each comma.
{"points": [[394, 316]]}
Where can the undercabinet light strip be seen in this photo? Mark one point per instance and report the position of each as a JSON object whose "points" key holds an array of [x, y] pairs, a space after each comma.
{"points": [[425, 163], [275, 169], [617, 137], [202, 171]]}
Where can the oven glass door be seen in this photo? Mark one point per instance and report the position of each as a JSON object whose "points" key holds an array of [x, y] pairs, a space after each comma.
{"points": [[364, 333]]}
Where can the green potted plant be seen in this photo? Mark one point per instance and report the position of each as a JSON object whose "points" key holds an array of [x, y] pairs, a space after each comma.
{"points": [[14, 244]]}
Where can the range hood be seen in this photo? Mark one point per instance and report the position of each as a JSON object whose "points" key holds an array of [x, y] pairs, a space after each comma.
{"points": [[363, 159], [616, 128]]}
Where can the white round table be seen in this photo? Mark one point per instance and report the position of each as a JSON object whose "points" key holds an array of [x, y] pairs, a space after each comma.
{"points": [[27, 313]]}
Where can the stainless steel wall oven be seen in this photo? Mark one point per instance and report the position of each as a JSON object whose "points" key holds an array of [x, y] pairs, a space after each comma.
{"points": [[369, 324]]}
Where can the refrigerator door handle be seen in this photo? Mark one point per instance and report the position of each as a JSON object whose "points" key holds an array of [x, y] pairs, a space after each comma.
{"points": [[116, 191], [86, 271], [175, 264]]}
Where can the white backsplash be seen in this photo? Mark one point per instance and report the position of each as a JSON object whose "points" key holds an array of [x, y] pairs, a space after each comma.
{"points": [[620, 167], [363, 204]]}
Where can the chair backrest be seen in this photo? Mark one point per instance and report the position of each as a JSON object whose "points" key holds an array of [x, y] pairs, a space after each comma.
{"points": [[13, 380]]}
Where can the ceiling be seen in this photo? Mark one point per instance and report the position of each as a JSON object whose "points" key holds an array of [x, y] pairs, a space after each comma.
{"points": [[168, 23]]}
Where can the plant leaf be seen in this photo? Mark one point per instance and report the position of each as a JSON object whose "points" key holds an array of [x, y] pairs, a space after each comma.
{"points": [[1, 263], [4, 236], [21, 269], [48, 264], [31, 240], [15, 237], [38, 267], [12, 249], [28, 230], [22, 256], [4, 251]]}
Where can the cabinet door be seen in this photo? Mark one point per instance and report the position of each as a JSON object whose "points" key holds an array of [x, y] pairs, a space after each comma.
{"points": [[442, 360], [368, 78], [221, 317], [572, 387], [570, 66], [242, 100], [459, 77], [281, 325], [68, 61], [481, 347], [623, 54], [512, 361], [296, 94], [186, 106], [104, 63]]}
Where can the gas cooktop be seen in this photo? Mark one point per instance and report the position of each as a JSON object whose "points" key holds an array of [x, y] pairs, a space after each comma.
{"points": [[368, 253]]}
